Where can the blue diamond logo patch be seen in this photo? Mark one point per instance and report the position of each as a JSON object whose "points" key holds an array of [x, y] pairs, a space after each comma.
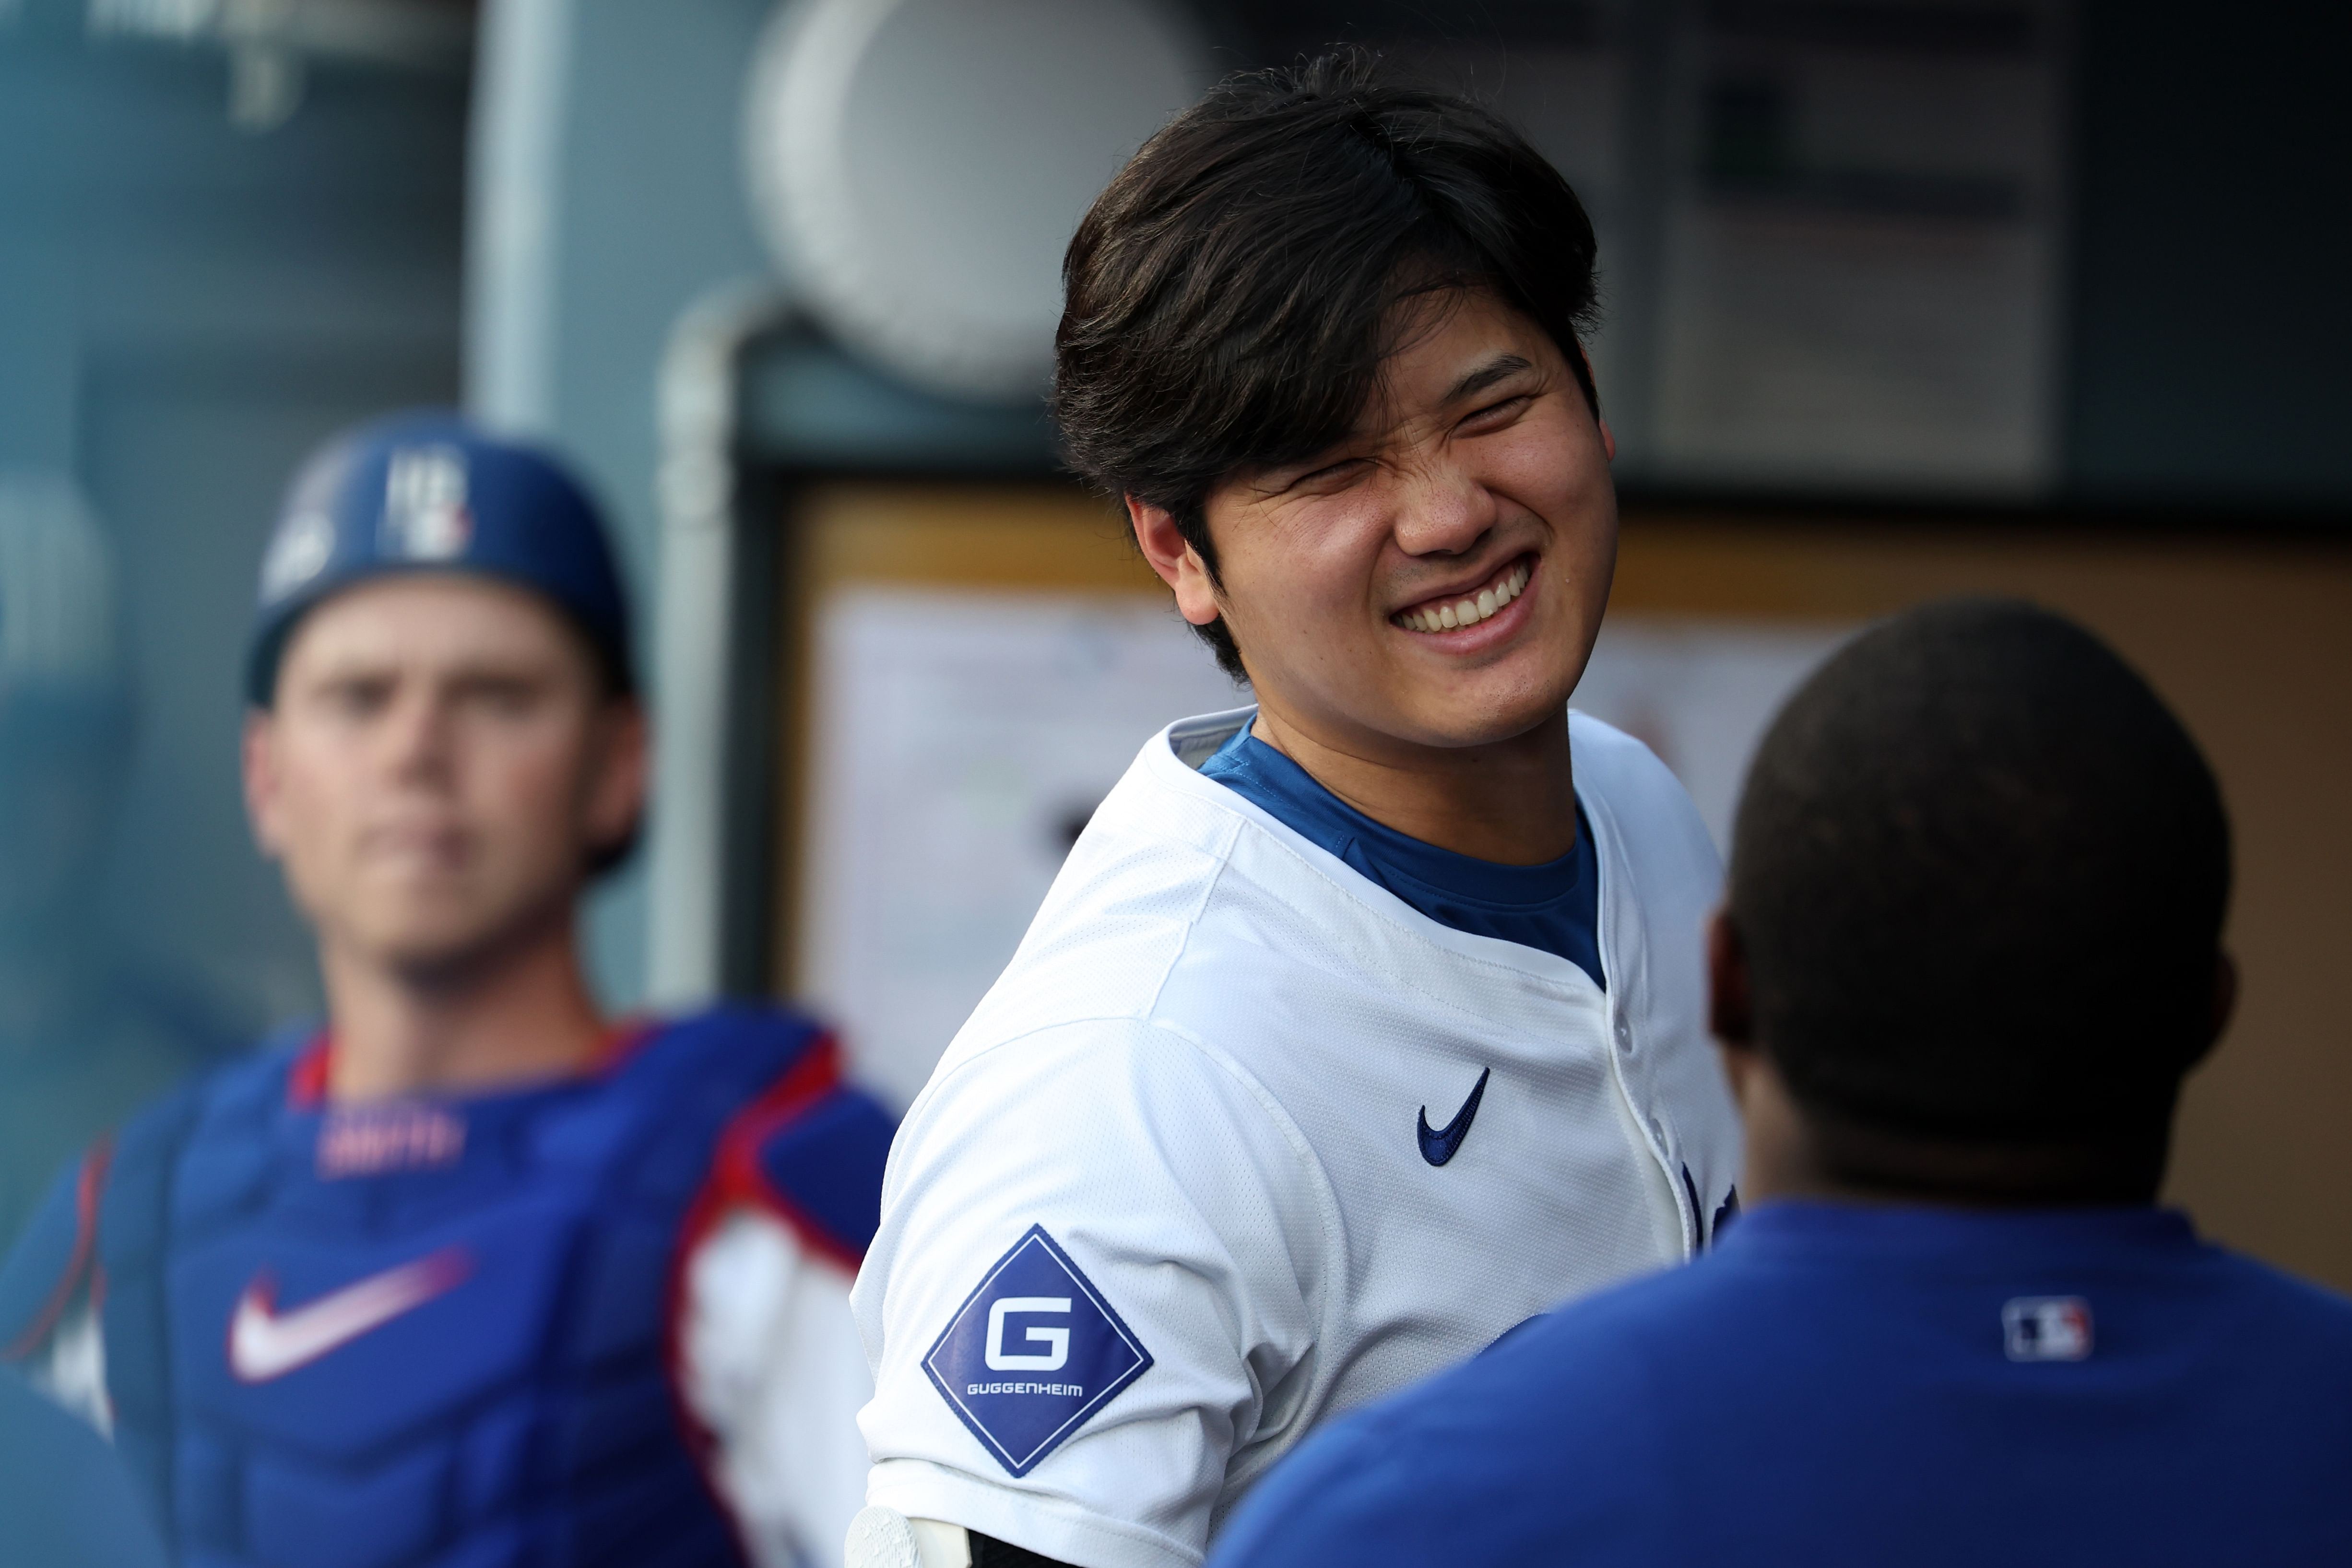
{"points": [[1032, 1354]]}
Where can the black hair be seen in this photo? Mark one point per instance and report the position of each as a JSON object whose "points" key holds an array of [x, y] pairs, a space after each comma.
{"points": [[1979, 872], [1230, 297]]}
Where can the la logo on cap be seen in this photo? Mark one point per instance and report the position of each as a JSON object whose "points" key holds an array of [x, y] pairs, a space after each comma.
{"points": [[425, 514]]}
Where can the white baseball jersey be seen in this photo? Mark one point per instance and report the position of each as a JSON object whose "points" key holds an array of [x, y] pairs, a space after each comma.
{"points": [[1239, 1140]]}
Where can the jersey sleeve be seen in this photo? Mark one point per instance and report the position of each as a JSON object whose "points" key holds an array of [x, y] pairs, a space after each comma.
{"points": [[770, 1365], [1098, 1282], [48, 1272], [768, 1359]]}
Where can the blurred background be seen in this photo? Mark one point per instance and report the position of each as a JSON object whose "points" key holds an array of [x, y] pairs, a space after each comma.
{"points": [[1904, 298]]}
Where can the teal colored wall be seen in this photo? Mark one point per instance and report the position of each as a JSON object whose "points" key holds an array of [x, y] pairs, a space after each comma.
{"points": [[185, 309]]}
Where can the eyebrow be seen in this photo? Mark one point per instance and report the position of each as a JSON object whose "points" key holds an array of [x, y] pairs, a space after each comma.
{"points": [[1500, 368]]}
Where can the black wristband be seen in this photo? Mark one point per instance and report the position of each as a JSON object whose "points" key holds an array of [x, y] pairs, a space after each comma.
{"points": [[987, 1552]]}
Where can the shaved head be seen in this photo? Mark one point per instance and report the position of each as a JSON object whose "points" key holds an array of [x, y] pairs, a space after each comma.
{"points": [[1980, 873]]}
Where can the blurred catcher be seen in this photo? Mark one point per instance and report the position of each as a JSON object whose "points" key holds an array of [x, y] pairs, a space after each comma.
{"points": [[470, 1273]]}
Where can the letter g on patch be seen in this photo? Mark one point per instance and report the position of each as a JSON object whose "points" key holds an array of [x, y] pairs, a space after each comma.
{"points": [[1034, 1311], [1053, 1360]]}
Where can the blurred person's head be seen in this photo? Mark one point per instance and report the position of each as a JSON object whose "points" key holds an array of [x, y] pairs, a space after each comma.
{"points": [[64, 707], [1972, 943], [444, 745], [1321, 336]]}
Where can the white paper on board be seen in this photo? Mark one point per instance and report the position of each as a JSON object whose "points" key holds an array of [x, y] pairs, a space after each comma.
{"points": [[960, 742]]}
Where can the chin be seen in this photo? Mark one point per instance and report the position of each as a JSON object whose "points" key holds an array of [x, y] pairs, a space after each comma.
{"points": [[431, 936], [1492, 707], [426, 954]]}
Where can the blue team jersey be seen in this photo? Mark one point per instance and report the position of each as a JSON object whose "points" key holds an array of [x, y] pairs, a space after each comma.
{"points": [[1553, 907], [439, 1330], [1844, 1385]]}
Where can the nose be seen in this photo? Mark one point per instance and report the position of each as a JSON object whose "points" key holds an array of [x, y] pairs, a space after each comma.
{"points": [[416, 737], [1442, 510]]}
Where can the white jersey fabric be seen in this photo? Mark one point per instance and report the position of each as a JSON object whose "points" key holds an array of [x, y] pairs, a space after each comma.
{"points": [[770, 1365], [1166, 1201]]}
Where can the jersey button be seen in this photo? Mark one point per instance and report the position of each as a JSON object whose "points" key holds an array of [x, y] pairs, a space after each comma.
{"points": [[1625, 1036]]}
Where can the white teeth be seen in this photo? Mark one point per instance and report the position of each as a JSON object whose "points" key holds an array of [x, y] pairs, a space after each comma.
{"points": [[1468, 612]]}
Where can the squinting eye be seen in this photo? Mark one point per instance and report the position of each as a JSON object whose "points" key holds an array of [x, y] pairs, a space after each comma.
{"points": [[1497, 413], [1331, 473], [508, 698], [357, 698]]}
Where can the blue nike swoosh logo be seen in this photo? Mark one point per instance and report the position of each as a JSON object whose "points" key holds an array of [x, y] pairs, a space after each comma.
{"points": [[1438, 1146]]}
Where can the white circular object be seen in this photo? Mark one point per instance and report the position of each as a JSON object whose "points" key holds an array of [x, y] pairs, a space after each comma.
{"points": [[920, 165]]}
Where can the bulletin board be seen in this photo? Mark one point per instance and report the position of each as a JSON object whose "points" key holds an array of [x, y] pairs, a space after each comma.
{"points": [[2251, 642], [967, 670]]}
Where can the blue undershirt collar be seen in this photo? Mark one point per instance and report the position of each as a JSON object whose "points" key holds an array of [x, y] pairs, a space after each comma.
{"points": [[1554, 907]]}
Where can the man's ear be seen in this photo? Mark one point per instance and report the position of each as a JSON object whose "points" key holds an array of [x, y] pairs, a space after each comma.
{"points": [[1729, 1016], [621, 774], [1730, 1010], [1180, 566], [1608, 438], [257, 759], [2225, 1006]]}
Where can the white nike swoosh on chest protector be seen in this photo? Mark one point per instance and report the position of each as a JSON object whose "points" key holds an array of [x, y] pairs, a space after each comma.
{"points": [[264, 1342]]}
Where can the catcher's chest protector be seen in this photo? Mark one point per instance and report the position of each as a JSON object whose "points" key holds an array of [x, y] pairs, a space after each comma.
{"points": [[431, 1332]]}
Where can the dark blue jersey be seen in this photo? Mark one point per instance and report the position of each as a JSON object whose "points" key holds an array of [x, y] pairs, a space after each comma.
{"points": [[440, 1330], [1858, 1386]]}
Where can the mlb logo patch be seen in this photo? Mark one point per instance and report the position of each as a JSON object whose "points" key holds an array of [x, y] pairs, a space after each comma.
{"points": [[425, 514], [1032, 1354], [2046, 1328]]}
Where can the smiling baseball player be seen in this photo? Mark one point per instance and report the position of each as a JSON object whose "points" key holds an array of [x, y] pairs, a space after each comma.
{"points": [[1363, 1025], [471, 1274]]}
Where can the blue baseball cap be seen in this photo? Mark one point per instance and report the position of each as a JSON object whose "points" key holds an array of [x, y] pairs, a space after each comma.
{"points": [[432, 491]]}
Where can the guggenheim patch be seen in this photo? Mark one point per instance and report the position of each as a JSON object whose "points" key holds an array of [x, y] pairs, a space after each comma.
{"points": [[1034, 1351]]}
